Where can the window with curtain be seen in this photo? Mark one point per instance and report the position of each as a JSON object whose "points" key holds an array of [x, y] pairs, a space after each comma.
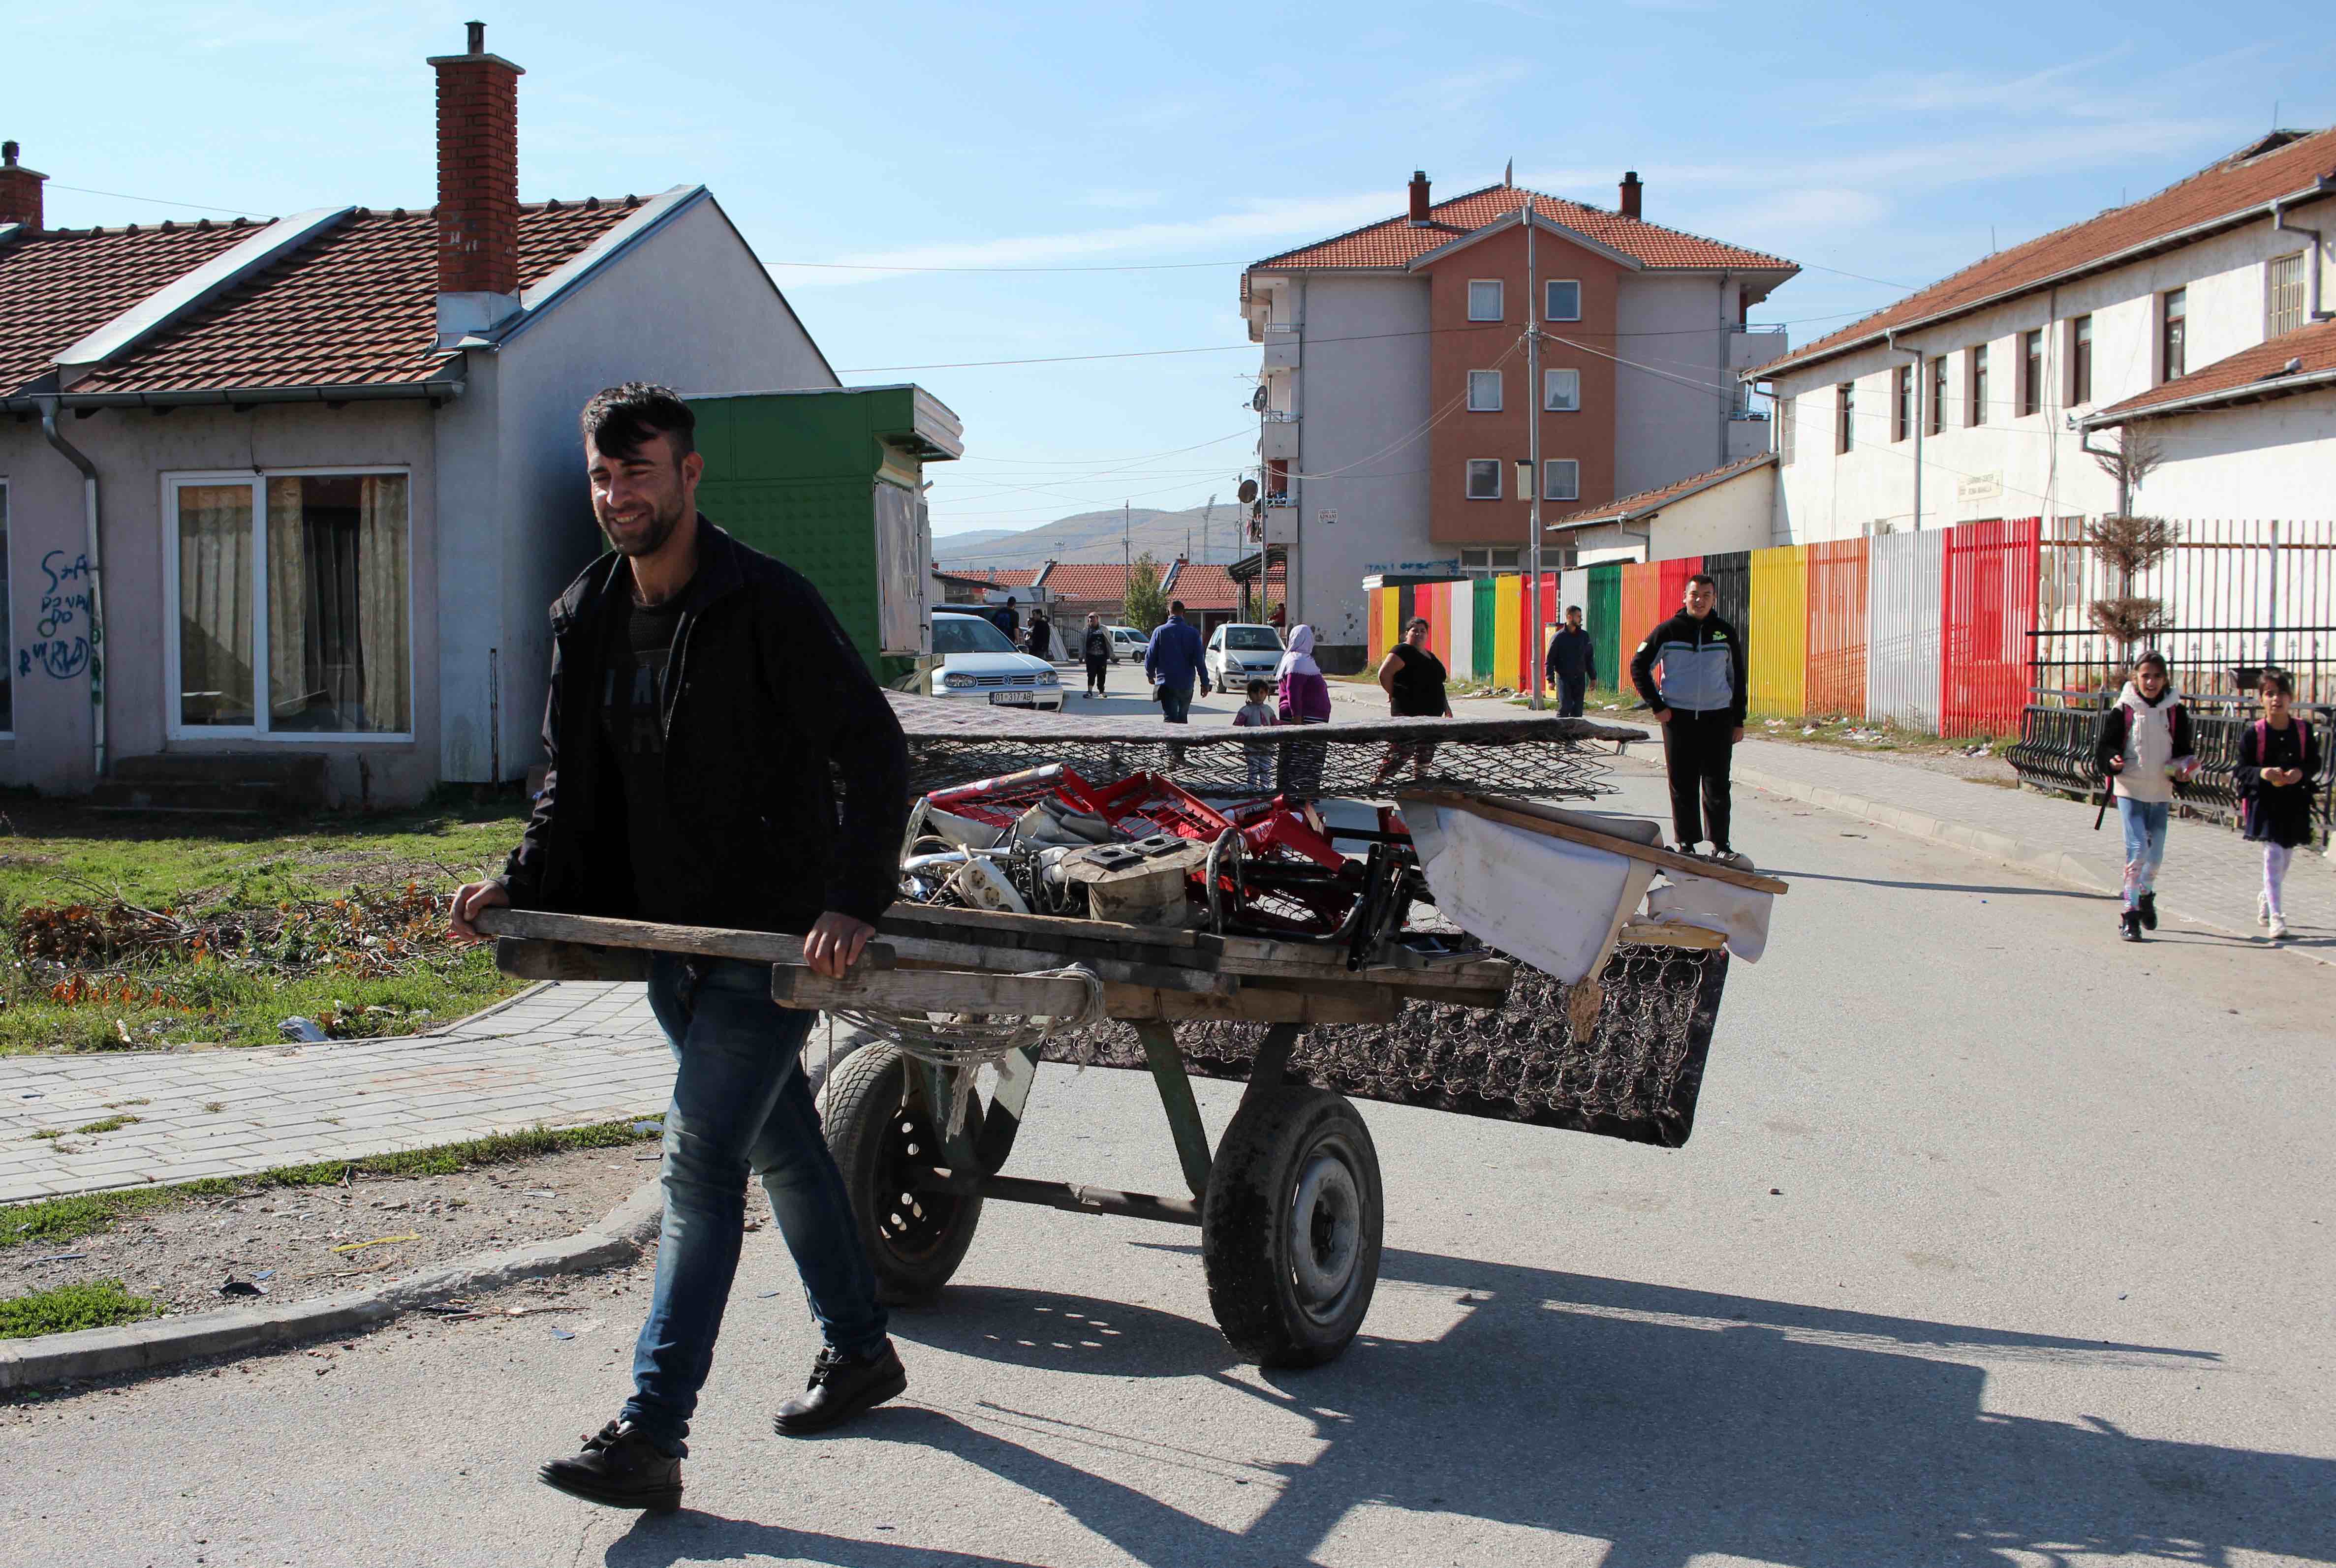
{"points": [[325, 557], [1561, 479], [1484, 300], [1938, 413], [1561, 391], [1484, 478], [1485, 391], [2173, 322]]}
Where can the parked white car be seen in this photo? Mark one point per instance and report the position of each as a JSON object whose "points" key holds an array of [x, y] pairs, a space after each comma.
{"points": [[1238, 654], [1127, 642], [977, 662]]}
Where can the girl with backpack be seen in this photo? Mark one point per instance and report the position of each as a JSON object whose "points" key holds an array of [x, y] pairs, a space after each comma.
{"points": [[2144, 749], [2278, 757]]}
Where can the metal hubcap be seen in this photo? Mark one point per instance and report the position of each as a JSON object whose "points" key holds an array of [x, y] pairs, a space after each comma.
{"points": [[911, 1223], [1325, 1232]]}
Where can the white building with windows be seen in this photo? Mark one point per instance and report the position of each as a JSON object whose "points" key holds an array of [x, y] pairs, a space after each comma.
{"points": [[2198, 314], [322, 475]]}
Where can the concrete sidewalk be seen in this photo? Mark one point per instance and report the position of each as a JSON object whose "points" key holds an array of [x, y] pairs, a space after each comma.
{"points": [[2211, 876], [556, 1055]]}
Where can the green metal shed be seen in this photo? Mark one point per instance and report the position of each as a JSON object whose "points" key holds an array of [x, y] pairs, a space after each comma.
{"points": [[831, 481]]}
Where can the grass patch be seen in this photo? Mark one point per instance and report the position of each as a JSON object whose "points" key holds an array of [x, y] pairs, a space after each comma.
{"points": [[51, 1220], [107, 1125], [92, 1304], [54, 853], [50, 1133]]}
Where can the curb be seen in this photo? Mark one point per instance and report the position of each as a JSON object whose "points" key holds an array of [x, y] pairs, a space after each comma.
{"points": [[2022, 854], [236, 1330]]}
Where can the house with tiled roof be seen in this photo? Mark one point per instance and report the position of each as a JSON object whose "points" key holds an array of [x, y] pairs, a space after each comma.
{"points": [[2196, 316], [1727, 509], [287, 501], [1395, 402]]}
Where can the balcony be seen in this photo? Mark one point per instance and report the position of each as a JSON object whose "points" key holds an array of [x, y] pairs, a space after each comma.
{"points": [[1281, 346], [1751, 347], [1277, 436], [1747, 434]]}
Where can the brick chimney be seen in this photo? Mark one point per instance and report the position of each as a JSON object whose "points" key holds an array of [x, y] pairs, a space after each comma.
{"points": [[1419, 196], [1630, 190], [20, 189], [478, 188]]}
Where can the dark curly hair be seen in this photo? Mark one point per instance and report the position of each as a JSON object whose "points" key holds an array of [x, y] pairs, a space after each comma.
{"points": [[619, 419]]}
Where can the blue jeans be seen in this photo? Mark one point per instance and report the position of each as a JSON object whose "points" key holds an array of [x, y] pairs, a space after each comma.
{"points": [[2145, 845], [1175, 702], [740, 1104]]}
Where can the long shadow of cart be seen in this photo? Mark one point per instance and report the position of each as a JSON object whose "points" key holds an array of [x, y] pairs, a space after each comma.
{"points": [[1669, 1423]]}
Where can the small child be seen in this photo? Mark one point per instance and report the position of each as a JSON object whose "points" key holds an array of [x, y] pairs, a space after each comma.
{"points": [[1257, 712], [2278, 759], [2144, 749]]}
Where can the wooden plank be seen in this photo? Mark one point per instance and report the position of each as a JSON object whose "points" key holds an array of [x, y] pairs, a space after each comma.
{"points": [[1136, 1004], [929, 990], [1043, 925], [1671, 934], [701, 941], [526, 959], [1517, 813], [931, 954]]}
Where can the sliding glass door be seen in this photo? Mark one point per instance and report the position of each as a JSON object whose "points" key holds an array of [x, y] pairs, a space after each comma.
{"points": [[291, 606]]}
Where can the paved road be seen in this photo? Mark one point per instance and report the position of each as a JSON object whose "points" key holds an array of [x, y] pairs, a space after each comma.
{"points": [[1997, 1242]]}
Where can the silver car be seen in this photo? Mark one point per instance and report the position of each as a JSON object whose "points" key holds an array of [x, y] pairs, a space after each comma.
{"points": [[1238, 654], [977, 662]]}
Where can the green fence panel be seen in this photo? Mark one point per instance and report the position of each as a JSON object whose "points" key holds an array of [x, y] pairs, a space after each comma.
{"points": [[1482, 636], [1604, 612]]}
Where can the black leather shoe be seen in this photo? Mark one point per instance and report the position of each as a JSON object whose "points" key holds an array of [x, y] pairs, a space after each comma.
{"points": [[618, 1468], [840, 1388], [2149, 911], [2129, 925]]}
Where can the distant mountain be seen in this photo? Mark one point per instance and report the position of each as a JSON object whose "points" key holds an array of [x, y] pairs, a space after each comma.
{"points": [[1096, 536]]}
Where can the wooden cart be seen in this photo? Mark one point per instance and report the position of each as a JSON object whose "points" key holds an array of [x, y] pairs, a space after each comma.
{"points": [[1289, 1203]]}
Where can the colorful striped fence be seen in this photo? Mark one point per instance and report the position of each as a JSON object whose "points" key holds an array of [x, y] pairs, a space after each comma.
{"points": [[1924, 630]]}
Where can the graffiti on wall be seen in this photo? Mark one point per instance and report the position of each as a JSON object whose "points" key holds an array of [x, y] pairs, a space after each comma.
{"points": [[61, 650]]}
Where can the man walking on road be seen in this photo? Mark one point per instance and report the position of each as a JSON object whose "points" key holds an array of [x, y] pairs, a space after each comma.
{"points": [[1572, 663], [1700, 705], [700, 692], [1174, 661], [1094, 646]]}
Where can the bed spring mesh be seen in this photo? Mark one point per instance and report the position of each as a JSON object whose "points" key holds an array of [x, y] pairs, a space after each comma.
{"points": [[1636, 1078]]}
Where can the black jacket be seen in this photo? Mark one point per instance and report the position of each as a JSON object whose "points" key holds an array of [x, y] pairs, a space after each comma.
{"points": [[2278, 814], [763, 696], [2108, 740], [1572, 654], [1697, 657]]}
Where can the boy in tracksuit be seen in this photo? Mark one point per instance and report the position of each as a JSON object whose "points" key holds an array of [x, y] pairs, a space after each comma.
{"points": [[1700, 705]]}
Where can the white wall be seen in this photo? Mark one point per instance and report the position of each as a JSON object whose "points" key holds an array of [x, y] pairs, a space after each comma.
{"points": [[2262, 461], [688, 306], [1361, 405], [1664, 429], [134, 450], [2034, 466]]}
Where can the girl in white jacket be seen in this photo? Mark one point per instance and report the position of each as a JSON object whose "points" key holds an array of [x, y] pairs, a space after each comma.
{"points": [[2144, 749]]}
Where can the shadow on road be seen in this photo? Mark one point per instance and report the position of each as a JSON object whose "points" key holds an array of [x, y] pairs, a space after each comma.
{"points": [[1671, 1423]]}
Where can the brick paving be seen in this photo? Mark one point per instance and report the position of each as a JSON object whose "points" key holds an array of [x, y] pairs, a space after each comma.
{"points": [[559, 1055]]}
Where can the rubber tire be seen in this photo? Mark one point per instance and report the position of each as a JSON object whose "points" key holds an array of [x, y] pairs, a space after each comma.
{"points": [[862, 1109], [1246, 1224]]}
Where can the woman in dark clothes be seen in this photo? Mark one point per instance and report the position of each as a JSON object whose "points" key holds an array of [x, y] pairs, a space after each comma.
{"points": [[1413, 679], [2278, 758]]}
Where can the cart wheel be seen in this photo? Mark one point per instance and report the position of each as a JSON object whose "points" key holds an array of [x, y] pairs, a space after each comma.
{"points": [[881, 1142], [1290, 1233]]}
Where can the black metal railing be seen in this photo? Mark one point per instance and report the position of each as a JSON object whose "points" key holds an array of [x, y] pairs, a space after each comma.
{"points": [[2055, 750]]}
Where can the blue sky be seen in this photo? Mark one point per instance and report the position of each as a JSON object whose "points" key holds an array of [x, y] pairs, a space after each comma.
{"points": [[1168, 138]]}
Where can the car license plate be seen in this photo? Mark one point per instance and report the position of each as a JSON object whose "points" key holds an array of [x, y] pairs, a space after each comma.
{"points": [[1014, 698]]}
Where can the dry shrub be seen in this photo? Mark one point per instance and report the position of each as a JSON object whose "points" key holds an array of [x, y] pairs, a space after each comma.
{"points": [[2132, 544]]}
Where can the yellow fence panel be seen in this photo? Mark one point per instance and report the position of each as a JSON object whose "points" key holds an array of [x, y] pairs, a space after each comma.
{"points": [[1778, 633], [1508, 603]]}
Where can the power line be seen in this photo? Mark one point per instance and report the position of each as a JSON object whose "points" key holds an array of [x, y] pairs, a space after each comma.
{"points": [[1131, 267], [156, 201]]}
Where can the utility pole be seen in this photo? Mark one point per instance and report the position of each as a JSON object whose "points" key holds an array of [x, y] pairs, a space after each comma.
{"points": [[1532, 447]]}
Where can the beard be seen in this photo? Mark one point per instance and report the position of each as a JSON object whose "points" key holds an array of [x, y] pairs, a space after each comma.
{"points": [[646, 536]]}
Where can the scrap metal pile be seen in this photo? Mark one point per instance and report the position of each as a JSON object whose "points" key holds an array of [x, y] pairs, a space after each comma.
{"points": [[1144, 851]]}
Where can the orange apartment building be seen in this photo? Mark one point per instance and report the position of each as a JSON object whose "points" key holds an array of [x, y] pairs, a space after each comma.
{"points": [[1395, 400]]}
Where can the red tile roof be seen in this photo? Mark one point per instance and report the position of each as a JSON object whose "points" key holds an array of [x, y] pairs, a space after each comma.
{"points": [[2244, 375], [1648, 499], [1211, 587], [57, 286], [2235, 189], [355, 306], [1083, 580], [1398, 241], [990, 577]]}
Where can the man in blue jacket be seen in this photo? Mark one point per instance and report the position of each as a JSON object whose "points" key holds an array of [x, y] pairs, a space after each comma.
{"points": [[1700, 705], [1174, 662]]}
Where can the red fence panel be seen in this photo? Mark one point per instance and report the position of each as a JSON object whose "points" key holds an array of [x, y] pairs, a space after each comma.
{"points": [[1836, 632], [1642, 611], [1988, 604], [1675, 574]]}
